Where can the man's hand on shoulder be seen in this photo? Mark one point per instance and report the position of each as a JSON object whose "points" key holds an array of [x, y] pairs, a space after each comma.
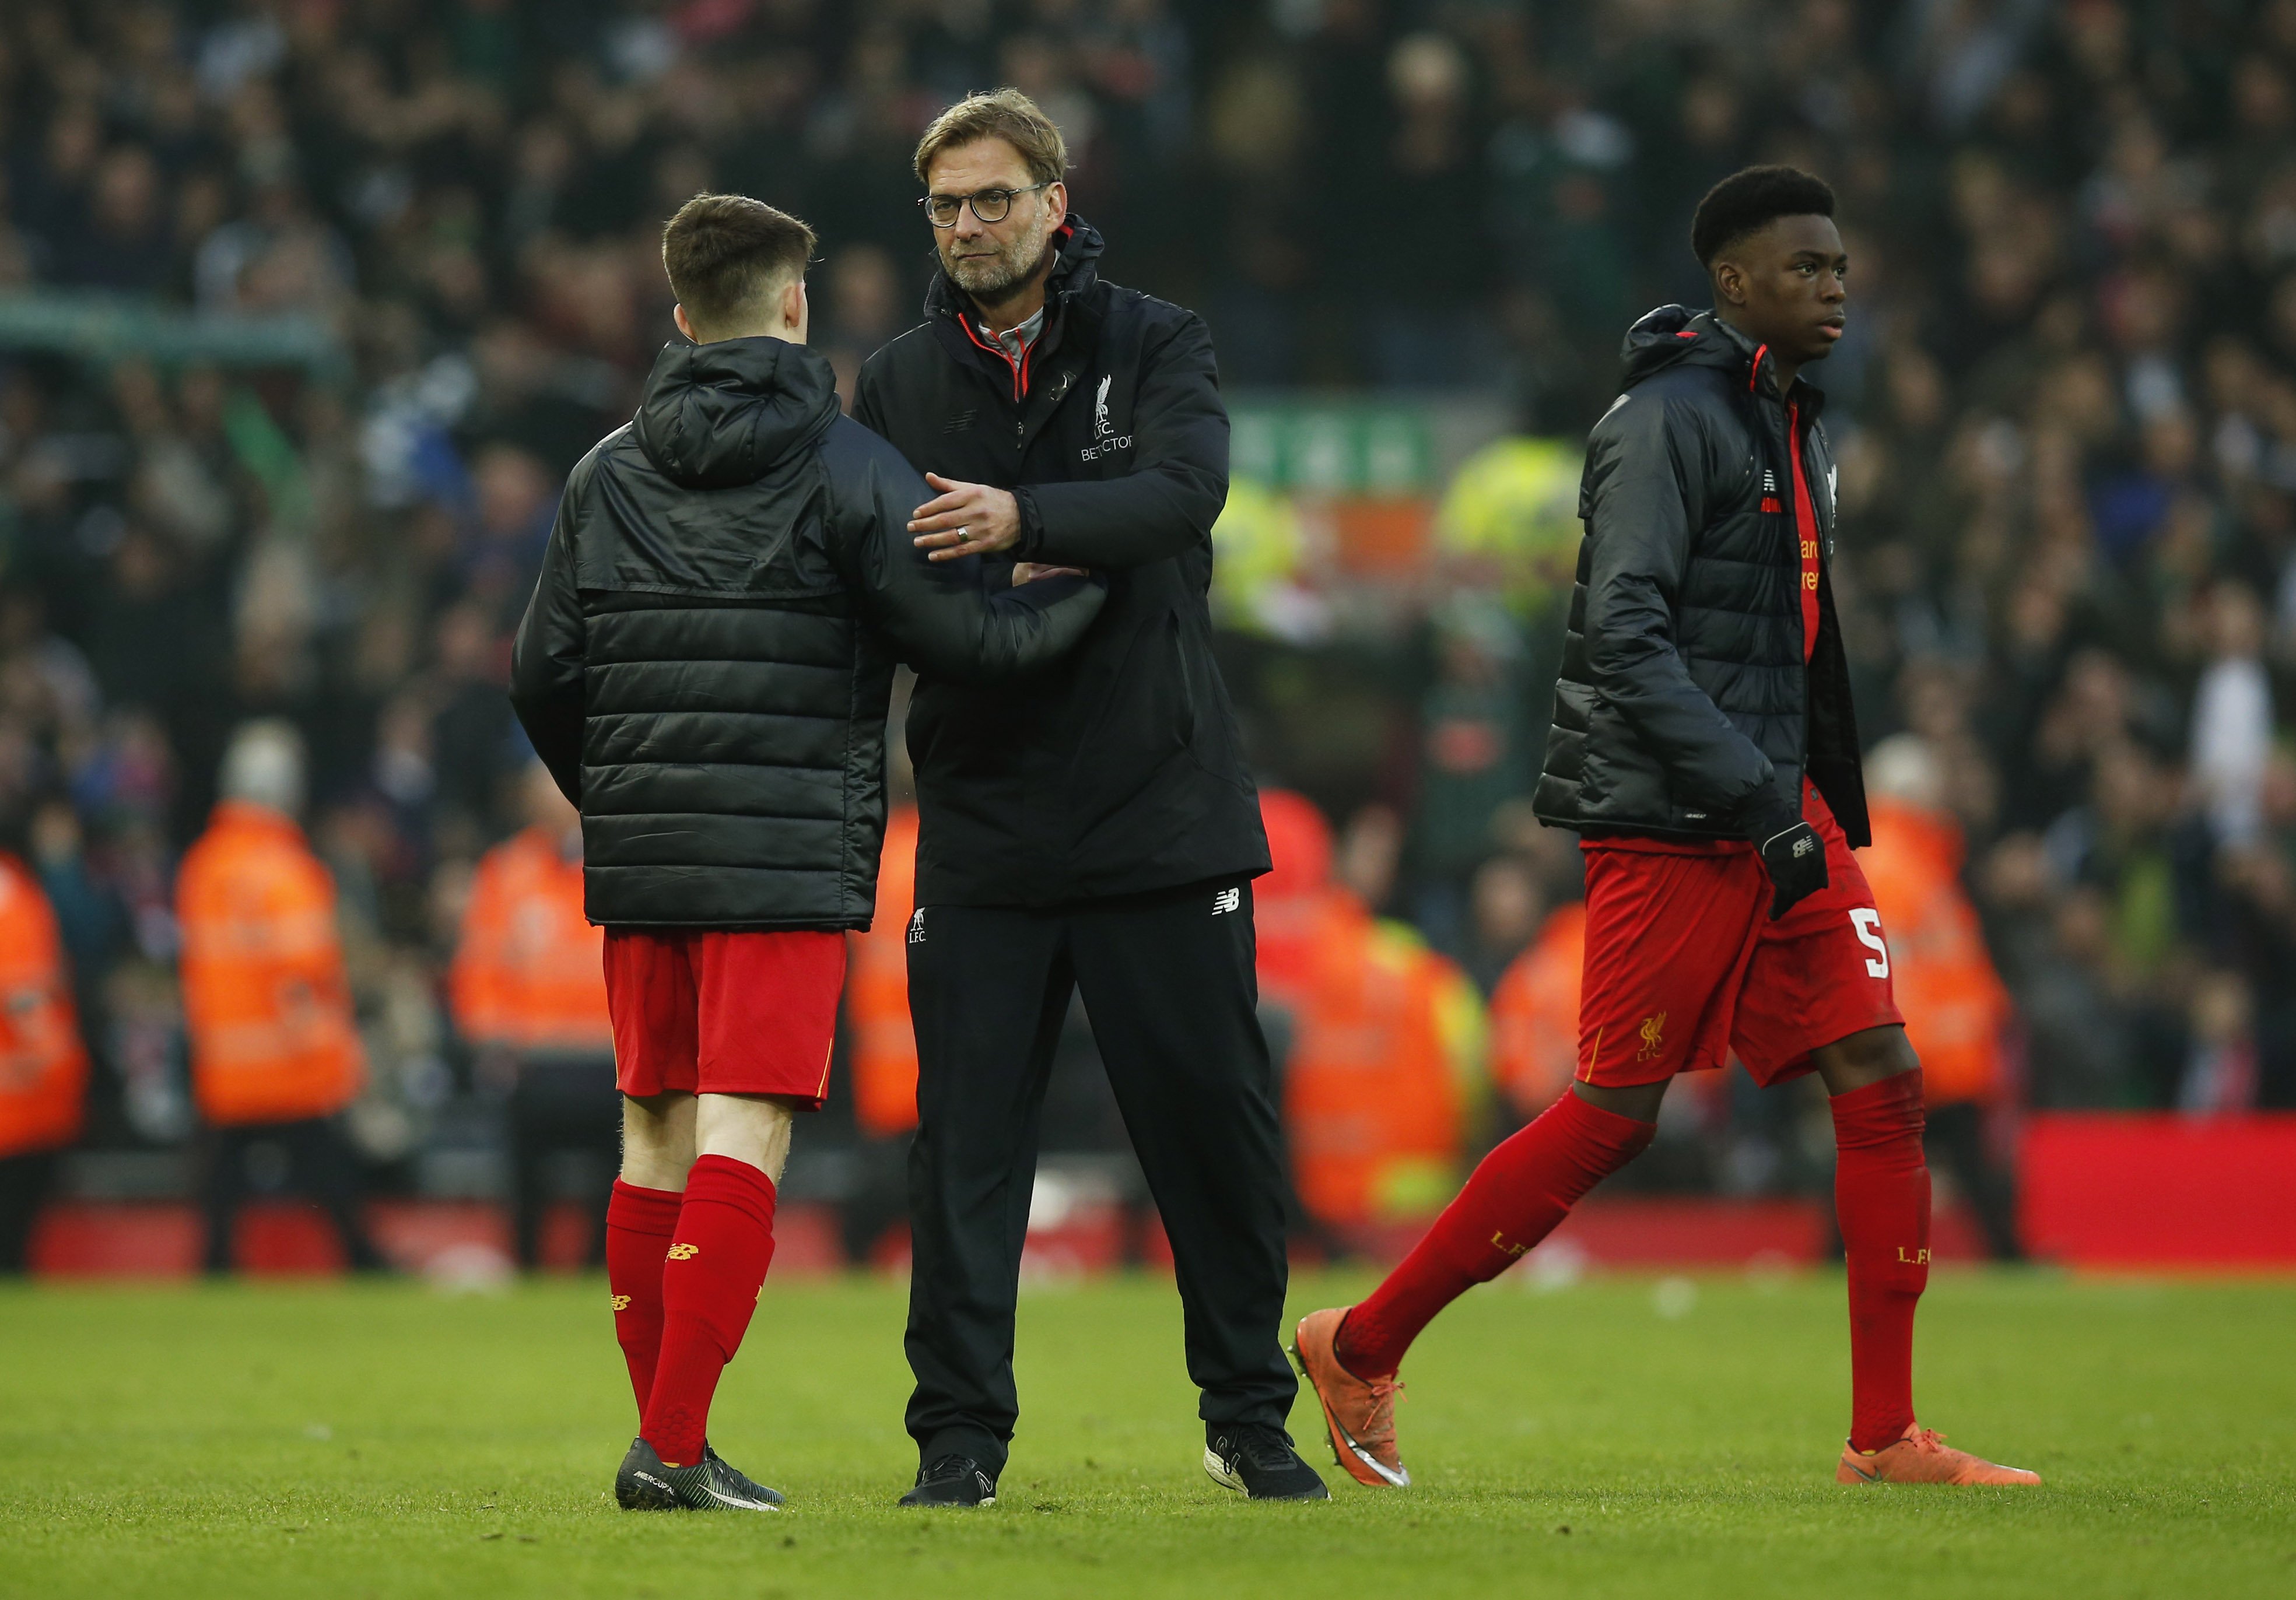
{"points": [[967, 519]]}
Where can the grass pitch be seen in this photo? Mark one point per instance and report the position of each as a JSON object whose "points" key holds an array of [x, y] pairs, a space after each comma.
{"points": [[1619, 1436]]}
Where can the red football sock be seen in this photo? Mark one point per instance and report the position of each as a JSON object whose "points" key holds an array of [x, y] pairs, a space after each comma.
{"points": [[710, 1282], [1511, 1202], [1881, 1199], [640, 1224]]}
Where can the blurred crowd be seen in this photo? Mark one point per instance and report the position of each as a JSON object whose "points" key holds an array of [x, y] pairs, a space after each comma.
{"points": [[2065, 415]]}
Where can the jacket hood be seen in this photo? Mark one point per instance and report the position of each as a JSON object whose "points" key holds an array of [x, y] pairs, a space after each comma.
{"points": [[1678, 336], [721, 415], [1076, 246]]}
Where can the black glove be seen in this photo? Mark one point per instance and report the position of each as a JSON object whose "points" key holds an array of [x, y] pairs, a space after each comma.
{"points": [[1791, 852]]}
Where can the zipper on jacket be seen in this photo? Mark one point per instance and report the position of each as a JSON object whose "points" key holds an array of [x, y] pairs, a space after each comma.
{"points": [[1020, 368], [1807, 541]]}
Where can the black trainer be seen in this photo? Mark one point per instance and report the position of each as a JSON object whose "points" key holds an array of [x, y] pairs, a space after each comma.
{"points": [[1261, 1463], [711, 1484], [952, 1480]]}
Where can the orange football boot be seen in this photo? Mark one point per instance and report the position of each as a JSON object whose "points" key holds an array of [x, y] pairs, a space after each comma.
{"points": [[1922, 1456], [1359, 1413]]}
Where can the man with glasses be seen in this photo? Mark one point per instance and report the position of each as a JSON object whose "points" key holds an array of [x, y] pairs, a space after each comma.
{"points": [[1090, 829]]}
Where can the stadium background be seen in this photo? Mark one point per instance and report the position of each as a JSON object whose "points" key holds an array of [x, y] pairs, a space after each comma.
{"points": [[305, 310]]}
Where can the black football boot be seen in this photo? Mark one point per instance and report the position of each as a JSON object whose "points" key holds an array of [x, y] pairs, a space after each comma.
{"points": [[952, 1480], [1259, 1462], [711, 1484]]}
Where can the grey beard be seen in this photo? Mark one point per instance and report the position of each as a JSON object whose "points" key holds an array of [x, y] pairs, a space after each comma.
{"points": [[1003, 282]]}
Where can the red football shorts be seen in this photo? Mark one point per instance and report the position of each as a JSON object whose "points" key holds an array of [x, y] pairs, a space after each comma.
{"points": [[723, 1013], [1683, 964]]}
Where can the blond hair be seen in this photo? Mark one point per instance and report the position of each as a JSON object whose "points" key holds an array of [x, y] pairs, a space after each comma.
{"points": [[1005, 114]]}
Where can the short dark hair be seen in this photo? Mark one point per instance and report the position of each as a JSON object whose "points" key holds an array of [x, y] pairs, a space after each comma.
{"points": [[721, 250], [1751, 200]]}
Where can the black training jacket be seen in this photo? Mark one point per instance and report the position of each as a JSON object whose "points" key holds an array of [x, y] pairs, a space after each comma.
{"points": [[1684, 694], [707, 659], [1121, 772]]}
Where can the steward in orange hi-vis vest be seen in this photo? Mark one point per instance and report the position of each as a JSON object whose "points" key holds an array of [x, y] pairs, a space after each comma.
{"points": [[265, 996], [43, 1064], [528, 991], [1386, 1038], [530, 973], [1953, 999], [1535, 1013], [1387, 1054], [1288, 902], [1955, 1008], [882, 1043]]}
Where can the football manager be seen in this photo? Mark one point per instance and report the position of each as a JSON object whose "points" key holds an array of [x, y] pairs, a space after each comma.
{"points": [[1091, 830], [705, 667]]}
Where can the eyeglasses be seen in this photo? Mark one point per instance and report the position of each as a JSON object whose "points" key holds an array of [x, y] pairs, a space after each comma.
{"points": [[989, 205]]}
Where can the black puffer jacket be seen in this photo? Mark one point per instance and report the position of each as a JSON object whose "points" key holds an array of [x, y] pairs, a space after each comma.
{"points": [[707, 659], [1683, 696], [1121, 773]]}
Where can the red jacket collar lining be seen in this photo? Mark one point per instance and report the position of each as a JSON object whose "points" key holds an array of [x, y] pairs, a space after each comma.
{"points": [[1020, 368]]}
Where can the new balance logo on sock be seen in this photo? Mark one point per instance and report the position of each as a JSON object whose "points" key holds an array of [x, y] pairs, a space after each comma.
{"points": [[684, 1252], [1227, 900], [621, 1302], [917, 927]]}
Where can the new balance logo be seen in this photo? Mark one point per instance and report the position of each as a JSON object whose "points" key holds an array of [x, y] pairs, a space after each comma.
{"points": [[621, 1302], [683, 1252], [1227, 900], [917, 927], [1802, 847]]}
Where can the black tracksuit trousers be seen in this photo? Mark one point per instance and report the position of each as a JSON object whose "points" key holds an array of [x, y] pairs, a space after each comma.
{"points": [[320, 1162], [1168, 982]]}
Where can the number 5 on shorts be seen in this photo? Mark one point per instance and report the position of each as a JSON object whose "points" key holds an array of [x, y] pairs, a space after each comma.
{"points": [[1868, 923]]}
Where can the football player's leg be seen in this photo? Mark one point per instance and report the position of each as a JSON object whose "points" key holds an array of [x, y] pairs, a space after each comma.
{"points": [[1882, 1194], [1818, 996], [1881, 1198], [649, 997], [716, 1265], [1513, 1200], [1667, 937], [766, 1010], [641, 1222]]}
